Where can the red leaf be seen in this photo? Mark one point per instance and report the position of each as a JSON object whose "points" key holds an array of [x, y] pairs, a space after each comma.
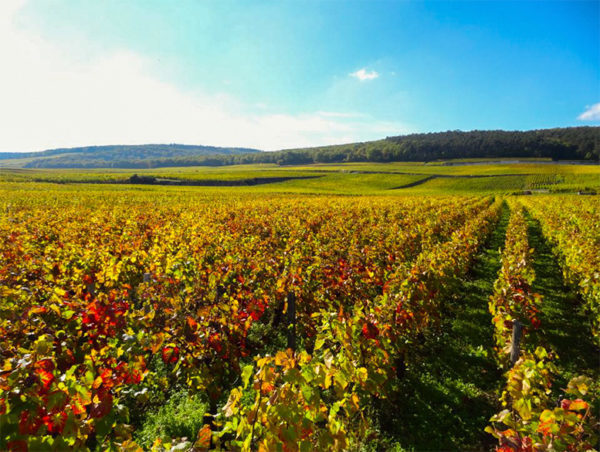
{"points": [[204, 437], [56, 422], [103, 407], [170, 354], [192, 323], [46, 378], [30, 423], [370, 331], [45, 364], [17, 445], [214, 341]]}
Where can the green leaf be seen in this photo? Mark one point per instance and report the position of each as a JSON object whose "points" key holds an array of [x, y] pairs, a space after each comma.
{"points": [[319, 343], [247, 443], [579, 385], [307, 392], [541, 352], [247, 372]]}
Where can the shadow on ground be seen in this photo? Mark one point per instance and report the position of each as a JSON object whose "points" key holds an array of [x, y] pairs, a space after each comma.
{"points": [[565, 327], [450, 390]]}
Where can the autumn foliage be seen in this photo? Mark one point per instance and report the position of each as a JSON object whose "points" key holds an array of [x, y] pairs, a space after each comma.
{"points": [[106, 300]]}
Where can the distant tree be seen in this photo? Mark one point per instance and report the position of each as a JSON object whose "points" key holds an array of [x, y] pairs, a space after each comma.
{"points": [[573, 143]]}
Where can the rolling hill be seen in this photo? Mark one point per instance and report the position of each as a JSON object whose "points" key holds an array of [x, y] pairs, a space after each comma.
{"points": [[571, 143], [114, 156]]}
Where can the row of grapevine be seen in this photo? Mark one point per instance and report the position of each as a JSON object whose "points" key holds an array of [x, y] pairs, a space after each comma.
{"points": [[542, 181], [530, 420], [319, 401], [573, 228], [513, 299], [533, 420], [97, 294]]}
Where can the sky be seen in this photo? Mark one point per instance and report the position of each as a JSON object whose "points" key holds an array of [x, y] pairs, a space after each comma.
{"points": [[290, 73]]}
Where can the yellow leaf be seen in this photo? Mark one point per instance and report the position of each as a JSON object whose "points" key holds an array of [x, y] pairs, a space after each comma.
{"points": [[280, 358], [97, 382], [363, 374], [578, 404], [355, 401], [266, 387], [231, 407]]}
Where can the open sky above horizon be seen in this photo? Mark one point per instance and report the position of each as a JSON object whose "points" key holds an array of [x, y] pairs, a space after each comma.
{"points": [[275, 75]]}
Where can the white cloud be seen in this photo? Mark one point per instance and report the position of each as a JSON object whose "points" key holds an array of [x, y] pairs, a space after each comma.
{"points": [[592, 113], [52, 99], [363, 75]]}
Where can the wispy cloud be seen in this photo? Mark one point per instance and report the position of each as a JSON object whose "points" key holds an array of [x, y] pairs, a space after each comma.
{"points": [[337, 114], [363, 75], [592, 113]]}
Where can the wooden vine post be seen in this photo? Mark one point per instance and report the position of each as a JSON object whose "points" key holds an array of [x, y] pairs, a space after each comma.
{"points": [[515, 349], [291, 320]]}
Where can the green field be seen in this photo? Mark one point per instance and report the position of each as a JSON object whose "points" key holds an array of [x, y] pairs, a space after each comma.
{"points": [[350, 178]]}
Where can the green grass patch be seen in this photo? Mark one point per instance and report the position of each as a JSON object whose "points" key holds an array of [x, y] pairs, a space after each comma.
{"points": [[181, 417]]}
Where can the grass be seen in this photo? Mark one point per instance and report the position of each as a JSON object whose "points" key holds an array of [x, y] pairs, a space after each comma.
{"points": [[450, 390], [181, 417], [484, 185], [488, 160], [343, 183], [352, 178]]}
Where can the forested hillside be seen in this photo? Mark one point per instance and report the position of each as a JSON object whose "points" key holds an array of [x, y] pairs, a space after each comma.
{"points": [[573, 143], [116, 156]]}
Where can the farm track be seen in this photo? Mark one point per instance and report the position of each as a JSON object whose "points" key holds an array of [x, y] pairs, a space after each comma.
{"points": [[454, 383], [565, 328]]}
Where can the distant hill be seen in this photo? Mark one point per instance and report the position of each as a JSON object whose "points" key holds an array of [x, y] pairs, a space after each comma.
{"points": [[114, 156], [571, 143]]}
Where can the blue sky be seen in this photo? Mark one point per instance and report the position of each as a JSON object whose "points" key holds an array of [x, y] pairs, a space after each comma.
{"points": [[273, 74]]}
